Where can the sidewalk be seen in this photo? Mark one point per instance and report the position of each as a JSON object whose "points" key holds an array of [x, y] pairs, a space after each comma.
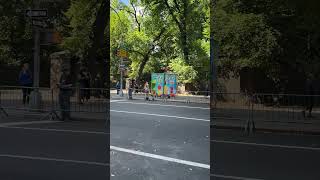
{"points": [[178, 98], [276, 124]]}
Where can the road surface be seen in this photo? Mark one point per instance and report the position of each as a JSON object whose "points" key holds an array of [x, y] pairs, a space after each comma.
{"points": [[38, 150], [264, 156], [154, 140]]}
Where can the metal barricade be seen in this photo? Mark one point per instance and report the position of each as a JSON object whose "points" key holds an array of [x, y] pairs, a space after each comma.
{"points": [[268, 111], [17, 100], [2, 110]]}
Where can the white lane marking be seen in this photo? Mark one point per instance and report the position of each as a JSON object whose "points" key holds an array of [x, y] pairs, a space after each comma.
{"points": [[268, 145], [57, 130], [53, 159], [116, 100], [154, 156], [164, 105], [160, 115], [233, 177], [27, 122]]}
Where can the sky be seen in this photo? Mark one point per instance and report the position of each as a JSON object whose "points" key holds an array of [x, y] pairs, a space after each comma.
{"points": [[125, 1]]}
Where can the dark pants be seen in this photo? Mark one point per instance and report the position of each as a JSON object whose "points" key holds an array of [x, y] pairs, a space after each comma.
{"points": [[26, 90], [64, 101]]}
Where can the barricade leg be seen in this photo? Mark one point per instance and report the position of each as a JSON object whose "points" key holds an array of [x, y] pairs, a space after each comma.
{"points": [[3, 111], [52, 115]]}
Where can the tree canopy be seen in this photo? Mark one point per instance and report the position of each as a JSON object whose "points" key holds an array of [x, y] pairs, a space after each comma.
{"points": [[158, 38]]}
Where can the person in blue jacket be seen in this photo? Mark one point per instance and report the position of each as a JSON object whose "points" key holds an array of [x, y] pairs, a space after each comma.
{"points": [[25, 80]]}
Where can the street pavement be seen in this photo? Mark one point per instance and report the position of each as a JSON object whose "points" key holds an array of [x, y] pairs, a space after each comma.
{"points": [[150, 141], [159, 141], [274, 156], [40, 149]]}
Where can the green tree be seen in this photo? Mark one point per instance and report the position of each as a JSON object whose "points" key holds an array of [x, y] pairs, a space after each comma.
{"points": [[244, 40], [15, 33], [89, 34]]}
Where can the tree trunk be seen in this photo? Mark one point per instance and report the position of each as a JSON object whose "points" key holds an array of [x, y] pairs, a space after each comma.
{"points": [[141, 67], [101, 23]]}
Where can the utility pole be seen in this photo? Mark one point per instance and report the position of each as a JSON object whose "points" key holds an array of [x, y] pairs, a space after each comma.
{"points": [[35, 95]]}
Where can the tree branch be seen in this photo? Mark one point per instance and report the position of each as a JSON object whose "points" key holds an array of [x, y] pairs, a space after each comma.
{"points": [[135, 51], [177, 5], [135, 16], [172, 14]]}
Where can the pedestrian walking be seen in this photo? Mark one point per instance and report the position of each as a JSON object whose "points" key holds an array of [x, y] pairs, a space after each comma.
{"points": [[309, 97], [118, 87], [146, 90], [82, 85], [130, 89], [136, 87], [87, 85], [25, 80], [65, 85]]}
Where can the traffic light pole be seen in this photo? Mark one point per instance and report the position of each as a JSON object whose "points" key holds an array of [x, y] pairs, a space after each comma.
{"points": [[121, 77]]}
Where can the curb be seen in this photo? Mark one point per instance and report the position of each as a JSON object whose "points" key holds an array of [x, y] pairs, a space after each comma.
{"points": [[284, 131]]}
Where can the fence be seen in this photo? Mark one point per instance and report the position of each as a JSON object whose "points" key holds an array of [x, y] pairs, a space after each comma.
{"points": [[229, 109], [93, 100], [266, 110]]}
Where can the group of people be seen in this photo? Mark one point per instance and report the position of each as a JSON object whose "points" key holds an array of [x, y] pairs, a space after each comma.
{"points": [[134, 87], [65, 85], [86, 82]]}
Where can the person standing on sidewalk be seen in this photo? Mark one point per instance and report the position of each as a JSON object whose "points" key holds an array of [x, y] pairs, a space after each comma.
{"points": [[25, 80], [82, 85], [146, 90], [65, 93], [309, 97]]}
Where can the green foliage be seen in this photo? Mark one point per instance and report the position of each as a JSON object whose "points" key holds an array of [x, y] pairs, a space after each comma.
{"points": [[244, 39], [186, 73], [153, 37], [15, 33], [81, 15]]}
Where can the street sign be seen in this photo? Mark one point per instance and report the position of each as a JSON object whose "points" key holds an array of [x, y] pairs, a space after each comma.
{"points": [[50, 37], [39, 23], [122, 53], [37, 13]]}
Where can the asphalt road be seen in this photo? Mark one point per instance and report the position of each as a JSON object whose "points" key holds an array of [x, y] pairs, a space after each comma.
{"points": [[149, 141], [264, 156], [159, 141], [53, 150]]}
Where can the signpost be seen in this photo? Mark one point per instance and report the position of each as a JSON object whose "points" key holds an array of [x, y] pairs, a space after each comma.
{"points": [[35, 15], [122, 54], [39, 23]]}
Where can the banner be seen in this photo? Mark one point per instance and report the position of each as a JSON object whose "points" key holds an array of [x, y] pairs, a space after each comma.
{"points": [[157, 82], [170, 86], [164, 84]]}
